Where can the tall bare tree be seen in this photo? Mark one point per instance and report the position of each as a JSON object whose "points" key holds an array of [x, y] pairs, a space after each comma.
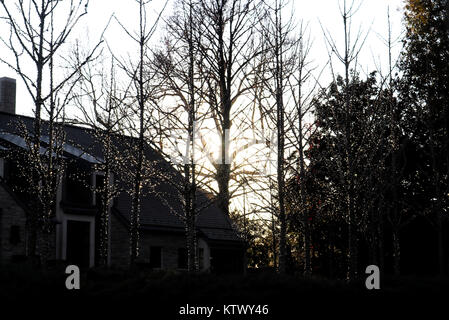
{"points": [[140, 105], [227, 48], [177, 66], [99, 101], [300, 122], [348, 58]]}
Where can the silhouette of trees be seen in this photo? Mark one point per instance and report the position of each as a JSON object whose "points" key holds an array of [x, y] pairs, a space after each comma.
{"points": [[424, 91]]}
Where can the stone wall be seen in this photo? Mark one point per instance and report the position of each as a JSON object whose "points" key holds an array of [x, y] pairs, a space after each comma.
{"points": [[12, 227], [119, 245], [170, 242]]}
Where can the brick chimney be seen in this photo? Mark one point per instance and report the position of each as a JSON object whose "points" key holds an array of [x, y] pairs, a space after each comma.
{"points": [[8, 95]]}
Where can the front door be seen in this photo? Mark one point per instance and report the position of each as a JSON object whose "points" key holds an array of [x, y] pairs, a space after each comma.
{"points": [[78, 243]]}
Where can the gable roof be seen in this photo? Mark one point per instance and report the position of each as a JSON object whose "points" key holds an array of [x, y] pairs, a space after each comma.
{"points": [[155, 215]]}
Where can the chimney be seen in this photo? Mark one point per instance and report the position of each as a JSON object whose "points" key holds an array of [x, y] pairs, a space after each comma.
{"points": [[8, 95]]}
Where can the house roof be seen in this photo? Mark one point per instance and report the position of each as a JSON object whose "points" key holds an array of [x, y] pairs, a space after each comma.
{"points": [[155, 212]]}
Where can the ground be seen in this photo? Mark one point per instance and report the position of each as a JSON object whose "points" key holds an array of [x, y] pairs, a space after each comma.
{"points": [[168, 294]]}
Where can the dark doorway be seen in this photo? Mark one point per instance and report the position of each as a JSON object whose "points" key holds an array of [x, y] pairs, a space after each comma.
{"points": [[155, 257], [78, 243]]}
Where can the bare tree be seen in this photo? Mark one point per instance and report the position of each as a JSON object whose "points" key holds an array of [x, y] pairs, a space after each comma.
{"points": [[280, 71], [139, 105], [300, 134], [177, 67], [283, 59], [348, 58], [227, 48], [99, 101], [395, 155], [34, 40]]}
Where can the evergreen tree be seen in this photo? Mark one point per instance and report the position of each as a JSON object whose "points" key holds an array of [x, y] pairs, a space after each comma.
{"points": [[424, 92]]}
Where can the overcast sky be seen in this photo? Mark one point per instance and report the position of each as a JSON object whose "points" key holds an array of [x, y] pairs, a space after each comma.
{"points": [[371, 17]]}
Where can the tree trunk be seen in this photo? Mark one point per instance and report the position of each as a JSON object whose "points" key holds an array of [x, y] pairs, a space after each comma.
{"points": [[396, 252], [224, 166], [104, 210], [331, 253], [352, 240], [222, 177], [35, 155], [225, 84], [303, 205], [441, 268], [190, 175], [380, 232], [136, 199], [437, 209], [134, 227], [274, 243], [192, 261], [352, 243]]}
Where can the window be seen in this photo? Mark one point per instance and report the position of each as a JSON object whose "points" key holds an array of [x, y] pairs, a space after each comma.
{"points": [[1, 228], [156, 257], [14, 235], [17, 179], [182, 258], [78, 185], [201, 258]]}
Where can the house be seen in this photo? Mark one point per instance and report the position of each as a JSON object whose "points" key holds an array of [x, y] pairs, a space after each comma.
{"points": [[162, 235]]}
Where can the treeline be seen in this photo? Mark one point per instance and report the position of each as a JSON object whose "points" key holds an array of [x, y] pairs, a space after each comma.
{"points": [[319, 178], [375, 189]]}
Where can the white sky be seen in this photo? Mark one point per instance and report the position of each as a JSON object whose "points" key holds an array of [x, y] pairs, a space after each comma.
{"points": [[372, 16]]}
